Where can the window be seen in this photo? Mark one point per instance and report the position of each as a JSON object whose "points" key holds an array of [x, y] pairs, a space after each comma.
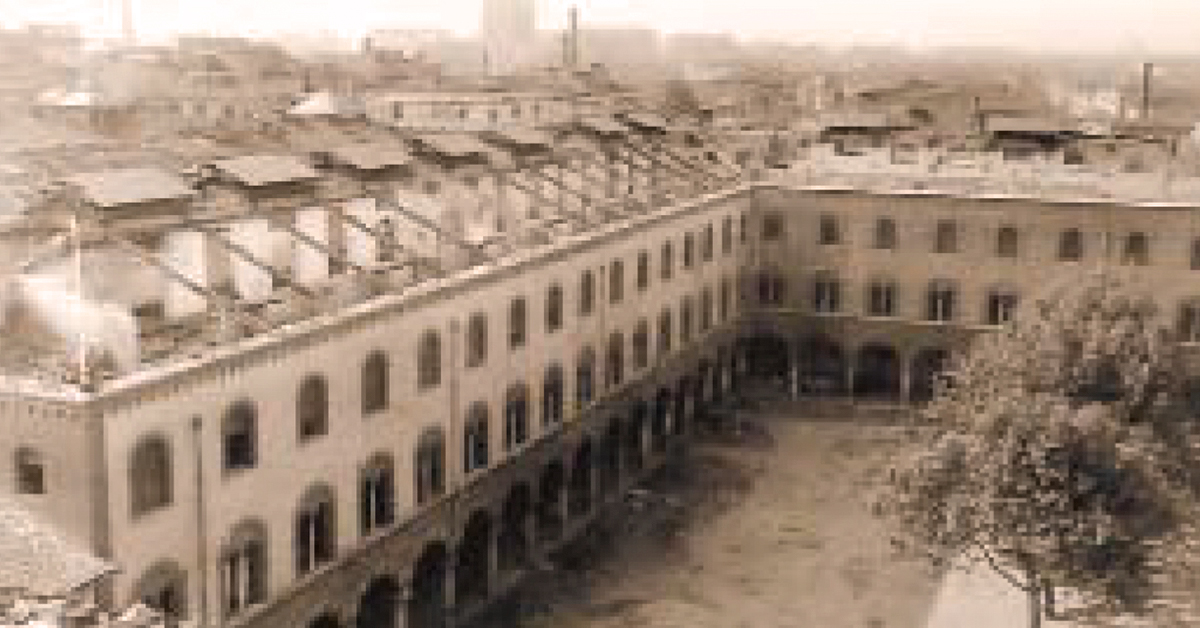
{"points": [[1196, 254], [429, 361], [881, 298], [668, 261], [1001, 306], [1137, 249], [516, 323], [315, 540], [742, 228], [477, 340], [830, 231], [1007, 242], [150, 475], [244, 568], [374, 383], [772, 227], [553, 396], [689, 250], [397, 111], [1189, 321], [1070, 246], [727, 236], [312, 408], [885, 233], [614, 367], [587, 293], [516, 416], [770, 287], [475, 438], [685, 320], [827, 293], [706, 309], [726, 298], [239, 439], [940, 301], [643, 271], [554, 308], [585, 377], [707, 244], [163, 587], [31, 472], [429, 465], [377, 495], [946, 239], [616, 281], [664, 333], [641, 345]]}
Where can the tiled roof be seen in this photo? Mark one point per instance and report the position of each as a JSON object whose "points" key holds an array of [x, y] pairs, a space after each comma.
{"points": [[259, 170], [37, 561], [110, 188]]}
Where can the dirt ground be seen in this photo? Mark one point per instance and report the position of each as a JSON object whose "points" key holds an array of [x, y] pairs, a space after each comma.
{"points": [[772, 527]]}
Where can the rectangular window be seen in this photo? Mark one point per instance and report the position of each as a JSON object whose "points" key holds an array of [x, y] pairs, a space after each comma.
{"points": [[940, 303], [881, 299], [668, 261], [827, 294], [885, 233], [643, 271], [946, 240], [1007, 242], [616, 281], [1001, 307], [772, 227], [587, 293], [830, 231], [1189, 322], [1195, 254], [1137, 249]]}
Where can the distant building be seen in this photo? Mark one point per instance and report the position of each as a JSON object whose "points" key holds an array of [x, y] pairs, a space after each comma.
{"points": [[508, 29]]}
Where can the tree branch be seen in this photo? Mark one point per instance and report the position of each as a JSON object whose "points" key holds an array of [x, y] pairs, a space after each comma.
{"points": [[1004, 573]]}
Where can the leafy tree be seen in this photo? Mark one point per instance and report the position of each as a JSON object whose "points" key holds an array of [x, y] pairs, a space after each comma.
{"points": [[1058, 451]]}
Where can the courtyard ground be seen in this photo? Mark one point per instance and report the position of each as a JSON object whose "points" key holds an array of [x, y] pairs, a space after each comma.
{"points": [[772, 527]]}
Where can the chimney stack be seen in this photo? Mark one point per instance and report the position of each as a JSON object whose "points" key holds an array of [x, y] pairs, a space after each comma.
{"points": [[573, 21], [1147, 75]]}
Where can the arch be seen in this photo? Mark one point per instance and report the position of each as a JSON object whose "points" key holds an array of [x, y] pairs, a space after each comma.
{"points": [[150, 474], [163, 587], [429, 467], [244, 567], [660, 422], [766, 355], [427, 606], [516, 416], [477, 340], [614, 364], [686, 318], [580, 487], [375, 384], [312, 407], [377, 493], [239, 436], [608, 471], [585, 377], [616, 281], [475, 437], [553, 395], [514, 539], [927, 364], [473, 568], [664, 332], [706, 309], [550, 520], [634, 448], [823, 366], [587, 293], [315, 535], [379, 606], [554, 308], [429, 360], [877, 373], [518, 323], [641, 345]]}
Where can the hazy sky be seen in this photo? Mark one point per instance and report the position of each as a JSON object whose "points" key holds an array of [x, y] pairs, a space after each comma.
{"points": [[1126, 25]]}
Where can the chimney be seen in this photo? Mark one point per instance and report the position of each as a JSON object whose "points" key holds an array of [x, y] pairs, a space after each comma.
{"points": [[1147, 75], [573, 21]]}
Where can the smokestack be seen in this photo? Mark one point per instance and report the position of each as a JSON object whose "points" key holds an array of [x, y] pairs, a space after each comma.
{"points": [[1147, 75], [573, 21]]}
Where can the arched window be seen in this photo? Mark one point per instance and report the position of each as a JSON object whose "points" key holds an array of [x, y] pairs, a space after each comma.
{"points": [[727, 236], [686, 316], [643, 271], [885, 233], [239, 436], [668, 261], [377, 494], [150, 475], [664, 333], [641, 345], [163, 587], [316, 529], [1070, 246], [517, 323], [30, 472], [689, 250], [552, 396], [477, 340], [827, 292], [516, 416], [1001, 306], [244, 567], [312, 408], [881, 298], [726, 298], [587, 293], [375, 383], [1137, 249], [940, 301], [554, 308], [616, 281], [707, 243], [429, 466], [1008, 242], [585, 374], [475, 438], [614, 367], [429, 361], [706, 309]]}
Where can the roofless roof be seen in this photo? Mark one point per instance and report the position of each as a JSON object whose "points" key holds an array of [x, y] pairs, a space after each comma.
{"points": [[110, 188]]}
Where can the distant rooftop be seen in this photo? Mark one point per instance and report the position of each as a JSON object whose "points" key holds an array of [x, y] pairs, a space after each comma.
{"points": [[128, 186], [260, 170], [370, 155], [37, 560]]}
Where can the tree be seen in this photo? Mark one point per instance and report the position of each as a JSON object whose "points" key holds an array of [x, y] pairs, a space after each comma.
{"points": [[680, 99], [1059, 452]]}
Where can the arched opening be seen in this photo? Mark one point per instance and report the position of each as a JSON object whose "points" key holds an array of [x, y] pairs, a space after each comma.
{"points": [[516, 416], [325, 620], [244, 567], [150, 472], [312, 408], [634, 452], [609, 465], [877, 373], [239, 436], [376, 494], [927, 364], [427, 606], [379, 606], [580, 490], [823, 367], [514, 540], [549, 510], [474, 554], [315, 540], [661, 420], [375, 383], [163, 587], [553, 396], [428, 475], [766, 356]]}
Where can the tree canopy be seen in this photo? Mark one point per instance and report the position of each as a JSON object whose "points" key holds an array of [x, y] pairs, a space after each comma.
{"points": [[1059, 450]]}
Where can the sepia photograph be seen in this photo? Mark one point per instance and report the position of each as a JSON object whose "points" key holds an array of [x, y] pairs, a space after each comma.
{"points": [[599, 314]]}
